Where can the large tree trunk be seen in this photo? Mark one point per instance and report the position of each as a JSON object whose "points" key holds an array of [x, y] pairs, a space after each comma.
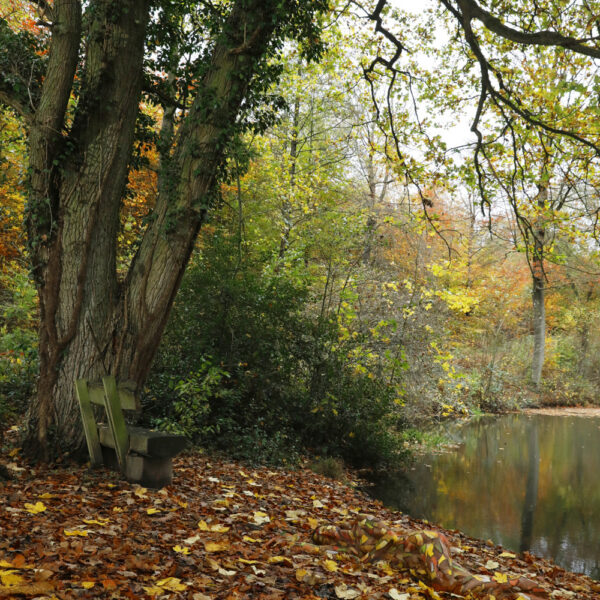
{"points": [[91, 322]]}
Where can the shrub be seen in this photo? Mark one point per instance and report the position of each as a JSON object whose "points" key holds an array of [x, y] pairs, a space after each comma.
{"points": [[18, 346], [246, 369]]}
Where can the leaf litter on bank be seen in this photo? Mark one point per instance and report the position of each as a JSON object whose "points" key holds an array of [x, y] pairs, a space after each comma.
{"points": [[220, 531]]}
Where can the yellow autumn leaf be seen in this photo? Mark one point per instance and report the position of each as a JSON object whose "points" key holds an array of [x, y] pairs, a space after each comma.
{"points": [[153, 511], [10, 578], [172, 584], [247, 562], [260, 517], [318, 504], [252, 540], [95, 521], [46, 495], [508, 555], [500, 577], [330, 565], [181, 549], [301, 574], [219, 528], [140, 492], [275, 560], [203, 526], [314, 523], [77, 532], [216, 546], [154, 590], [38, 507], [87, 584]]}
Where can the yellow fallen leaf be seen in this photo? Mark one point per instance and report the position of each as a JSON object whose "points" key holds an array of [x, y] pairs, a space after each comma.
{"points": [[38, 507], [172, 584], [252, 540], [301, 574], [314, 523], [87, 584], [10, 578], [140, 492], [153, 511], [248, 562], [216, 546], [491, 565], [330, 565], [95, 521], [394, 594], [117, 509], [46, 495], [508, 555], [318, 504], [181, 549], [37, 588], [500, 577], [203, 526], [219, 528], [260, 517], [275, 560], [78, 532], [154, 590]]}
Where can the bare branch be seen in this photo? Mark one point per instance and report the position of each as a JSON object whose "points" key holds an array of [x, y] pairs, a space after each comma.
{"points": [[471, 10]]}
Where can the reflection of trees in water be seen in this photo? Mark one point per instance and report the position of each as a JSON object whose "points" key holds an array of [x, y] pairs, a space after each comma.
{"points": [[524, 481], [531, 489]]}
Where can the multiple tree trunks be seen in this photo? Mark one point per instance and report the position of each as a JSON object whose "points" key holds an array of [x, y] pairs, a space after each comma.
{"points": [[426, 555], [93, 320]]}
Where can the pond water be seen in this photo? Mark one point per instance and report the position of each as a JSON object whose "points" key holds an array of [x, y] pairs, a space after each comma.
{"points": [[528, 482]]}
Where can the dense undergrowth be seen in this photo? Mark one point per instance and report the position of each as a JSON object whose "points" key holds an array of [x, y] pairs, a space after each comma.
{"points": [[248, 368]]}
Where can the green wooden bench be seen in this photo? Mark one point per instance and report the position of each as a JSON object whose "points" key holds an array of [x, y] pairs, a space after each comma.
{"points": [[143, 456]]}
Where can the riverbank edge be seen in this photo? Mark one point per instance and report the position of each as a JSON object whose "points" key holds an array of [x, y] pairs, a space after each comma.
{"points": [[221, 531]]}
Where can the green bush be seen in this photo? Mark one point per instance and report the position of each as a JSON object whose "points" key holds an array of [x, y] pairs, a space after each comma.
{"points": [[18, 346], [245, 368]]}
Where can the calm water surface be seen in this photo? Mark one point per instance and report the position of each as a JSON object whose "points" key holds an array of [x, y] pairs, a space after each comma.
{"points": [[528, 482]]}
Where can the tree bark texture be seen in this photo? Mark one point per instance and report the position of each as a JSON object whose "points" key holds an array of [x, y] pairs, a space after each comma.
{"points": [[538, 279], [92, 323]]}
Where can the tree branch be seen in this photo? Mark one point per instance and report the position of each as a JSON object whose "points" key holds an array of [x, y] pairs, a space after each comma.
{"points": [[471, 10]]}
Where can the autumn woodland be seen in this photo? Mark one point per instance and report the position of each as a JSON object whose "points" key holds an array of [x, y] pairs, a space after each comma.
{"points": [[301, 233]]}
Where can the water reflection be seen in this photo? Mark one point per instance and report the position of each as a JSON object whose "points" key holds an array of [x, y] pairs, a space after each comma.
{"points": [[528, 482]]}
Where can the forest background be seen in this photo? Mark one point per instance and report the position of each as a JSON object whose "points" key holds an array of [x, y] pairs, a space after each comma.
{"points": [[358, 276]]}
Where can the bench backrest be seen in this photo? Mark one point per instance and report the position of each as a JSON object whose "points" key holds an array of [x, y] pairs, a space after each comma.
{"points": [[114, 398], [127, 398]]}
